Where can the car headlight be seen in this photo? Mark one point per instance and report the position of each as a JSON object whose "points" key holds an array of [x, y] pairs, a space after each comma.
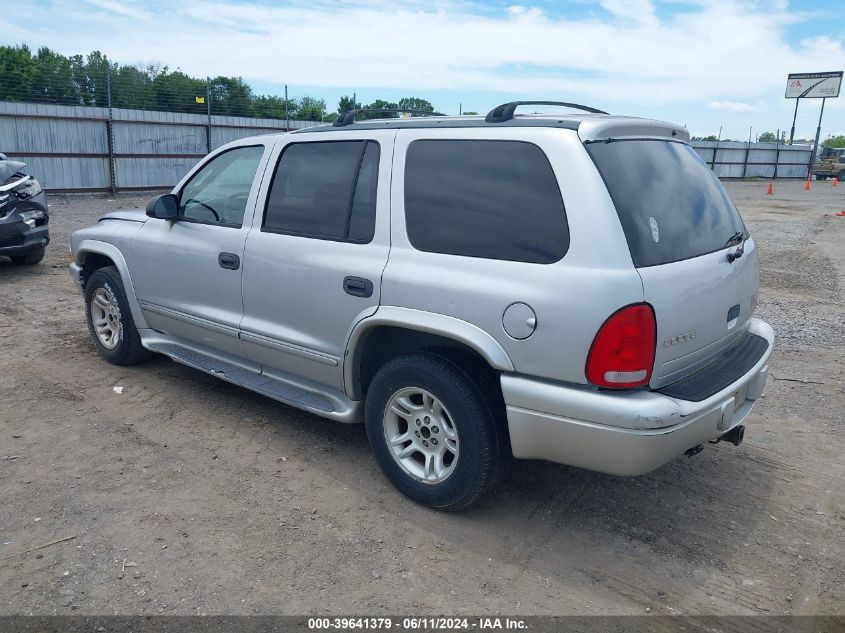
{"points": [[27, 189], [31, 218]]}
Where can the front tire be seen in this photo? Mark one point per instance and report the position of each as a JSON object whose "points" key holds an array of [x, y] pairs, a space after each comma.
{"points": [[29, 259], [435, 430], [109, 319]]}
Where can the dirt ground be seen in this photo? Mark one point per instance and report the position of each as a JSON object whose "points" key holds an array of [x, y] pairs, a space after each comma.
{"points": [[220, 501]]}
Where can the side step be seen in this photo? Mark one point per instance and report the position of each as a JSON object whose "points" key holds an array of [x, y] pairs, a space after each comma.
{"points": [[334, 406]]}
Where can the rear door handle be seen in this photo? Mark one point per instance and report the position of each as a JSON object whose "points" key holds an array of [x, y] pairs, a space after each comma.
{"points": [[358, 287], [229, 260]]}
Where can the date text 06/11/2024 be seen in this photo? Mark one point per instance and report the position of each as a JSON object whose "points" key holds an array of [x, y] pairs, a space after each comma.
{"points": [[416, 623]]}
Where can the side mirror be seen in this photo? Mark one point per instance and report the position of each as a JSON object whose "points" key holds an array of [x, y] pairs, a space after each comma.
{"points": [[163, 207]]}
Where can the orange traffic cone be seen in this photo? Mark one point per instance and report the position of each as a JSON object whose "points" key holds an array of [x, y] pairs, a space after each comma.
{"points": [[835, 181], [807, 185], [771, 190]]}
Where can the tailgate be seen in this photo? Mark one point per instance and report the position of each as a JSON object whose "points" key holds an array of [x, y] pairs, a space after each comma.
{"points": [[702, 305]]}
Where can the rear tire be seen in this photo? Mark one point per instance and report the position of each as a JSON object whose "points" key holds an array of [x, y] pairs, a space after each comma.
{"points": [[109, 319], [28, 260], [434, 430]]}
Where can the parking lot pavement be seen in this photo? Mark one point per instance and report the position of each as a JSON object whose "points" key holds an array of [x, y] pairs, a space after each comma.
{"points": [[188, 495]]}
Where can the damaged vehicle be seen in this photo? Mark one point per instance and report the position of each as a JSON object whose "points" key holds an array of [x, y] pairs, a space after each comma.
{"points": [[23, 214]]}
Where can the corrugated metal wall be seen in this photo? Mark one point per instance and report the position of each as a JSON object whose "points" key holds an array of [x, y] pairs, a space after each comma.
{"points": [[67, 147], [736, 159]]}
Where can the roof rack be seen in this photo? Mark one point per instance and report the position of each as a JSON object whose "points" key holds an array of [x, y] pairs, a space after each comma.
{"points": [[504, 112], [348, 118]]}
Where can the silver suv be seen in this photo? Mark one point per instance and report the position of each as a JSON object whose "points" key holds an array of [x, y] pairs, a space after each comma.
{"points": [[576, 288]]}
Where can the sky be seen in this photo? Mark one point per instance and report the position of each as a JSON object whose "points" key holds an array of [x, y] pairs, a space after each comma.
{"points": [[705, 64]]}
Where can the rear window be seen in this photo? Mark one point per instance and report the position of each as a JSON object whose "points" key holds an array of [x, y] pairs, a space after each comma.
{"points": [[491, 199], [670, 204]]}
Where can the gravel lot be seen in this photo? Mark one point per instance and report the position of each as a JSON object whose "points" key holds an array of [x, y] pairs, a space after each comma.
{"points": [[220, 501]]}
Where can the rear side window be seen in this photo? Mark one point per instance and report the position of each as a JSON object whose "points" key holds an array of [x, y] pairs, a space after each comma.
{"points": [[325, 190], [670, 204], [492, 199]]}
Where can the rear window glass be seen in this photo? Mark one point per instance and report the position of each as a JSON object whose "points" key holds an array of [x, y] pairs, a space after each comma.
{"points": [[492, 199], [670, 204]]}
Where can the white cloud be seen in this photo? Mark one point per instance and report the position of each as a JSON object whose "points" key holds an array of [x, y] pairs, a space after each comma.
{"points": [[731, 106], [125, 9]]}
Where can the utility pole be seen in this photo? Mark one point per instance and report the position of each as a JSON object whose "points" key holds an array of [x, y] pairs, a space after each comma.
{"points": [[110, 134], [287, 117], [208, 113]]}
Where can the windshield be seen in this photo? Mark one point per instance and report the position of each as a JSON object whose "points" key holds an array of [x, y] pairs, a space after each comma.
{"points": [[670, 204]]}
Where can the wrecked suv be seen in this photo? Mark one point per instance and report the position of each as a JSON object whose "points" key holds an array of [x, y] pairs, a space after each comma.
{"points": [[24, 233], [576, 288]]}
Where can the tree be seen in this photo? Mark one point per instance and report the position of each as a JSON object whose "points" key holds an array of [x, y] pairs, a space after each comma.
{"points": [[470, 113], [346, 104], [310, 109], [414, 103], [177, 92], [380, 104], [230, 96], [712, 137], [834, 141], [17, 72], [767, 137]]}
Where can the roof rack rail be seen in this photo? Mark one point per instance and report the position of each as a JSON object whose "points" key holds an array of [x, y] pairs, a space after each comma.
{"points": [[504, 112], [348, 118]]}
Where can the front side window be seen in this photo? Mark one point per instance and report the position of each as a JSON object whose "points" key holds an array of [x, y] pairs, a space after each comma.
{"points": [[325, 190], [491, 199], [218, 192]]}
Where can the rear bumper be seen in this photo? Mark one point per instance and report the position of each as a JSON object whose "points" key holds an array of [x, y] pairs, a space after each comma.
{"points": [[624, 433]]}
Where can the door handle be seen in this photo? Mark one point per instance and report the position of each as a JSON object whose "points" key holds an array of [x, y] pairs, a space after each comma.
{"points": [[229, 260], [358, 287]]}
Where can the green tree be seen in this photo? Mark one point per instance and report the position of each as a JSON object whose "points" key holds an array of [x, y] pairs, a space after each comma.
{"points": [[835, 141], [346, 104], [712, 137], [17, 72], [310, 109], [177, 92], [231, 96], [470, 113], [767, 137], [380, 104], [414, 103], [54, 80]]}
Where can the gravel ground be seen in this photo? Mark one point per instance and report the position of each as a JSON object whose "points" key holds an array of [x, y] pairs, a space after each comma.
{"points": [[188, 495]]}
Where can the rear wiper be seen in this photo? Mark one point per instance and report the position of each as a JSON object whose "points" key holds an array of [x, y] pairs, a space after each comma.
{"points": [[736, 238]]}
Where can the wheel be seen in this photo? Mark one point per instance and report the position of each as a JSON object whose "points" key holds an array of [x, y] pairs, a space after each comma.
{"points": [[820, 177], [110, 319], [435, 430], [28, 260]]}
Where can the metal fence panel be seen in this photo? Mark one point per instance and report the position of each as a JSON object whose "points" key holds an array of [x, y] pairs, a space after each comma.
{"points": [[222, 135], [70, 174], [152, 138], [151, 173], [51, 136]]}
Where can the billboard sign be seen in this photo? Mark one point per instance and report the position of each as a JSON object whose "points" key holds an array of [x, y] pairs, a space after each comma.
{"points": [[813, 85]]}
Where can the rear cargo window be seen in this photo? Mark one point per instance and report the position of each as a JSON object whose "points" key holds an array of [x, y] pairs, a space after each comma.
{"points": [[670, 204], [492, 199]]}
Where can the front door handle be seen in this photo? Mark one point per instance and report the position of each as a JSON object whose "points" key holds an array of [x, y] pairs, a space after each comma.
{"points": [[358, 287], [229, 260]]}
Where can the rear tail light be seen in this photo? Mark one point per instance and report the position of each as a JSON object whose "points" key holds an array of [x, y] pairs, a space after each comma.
{"points": [[622, 354]]}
